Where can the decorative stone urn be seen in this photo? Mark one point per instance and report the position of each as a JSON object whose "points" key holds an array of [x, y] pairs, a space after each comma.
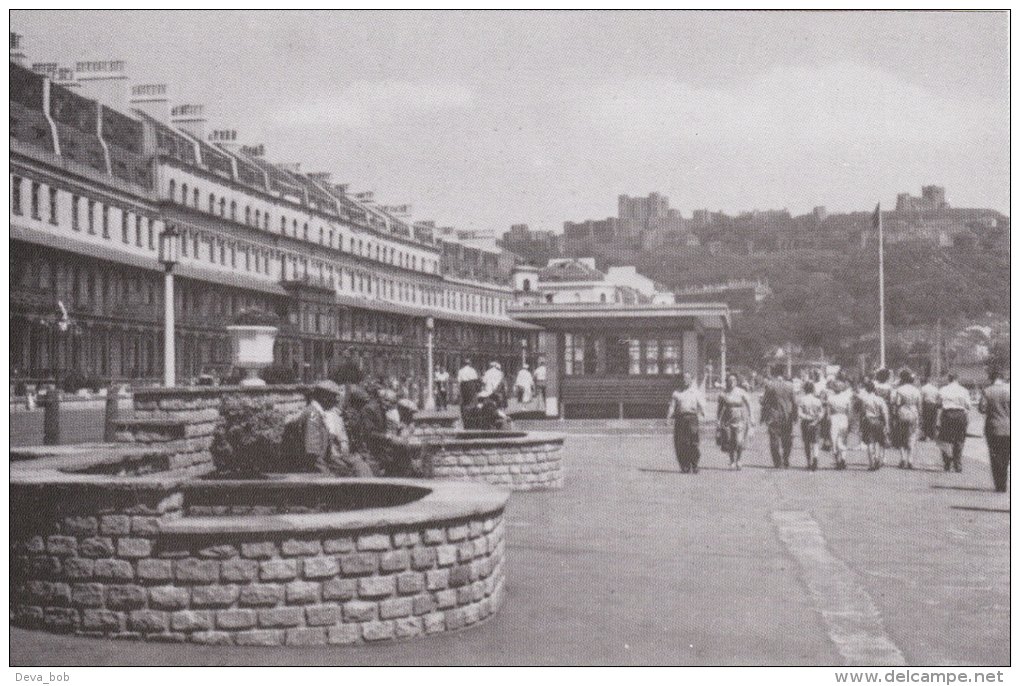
{"points": [[253, 350]]}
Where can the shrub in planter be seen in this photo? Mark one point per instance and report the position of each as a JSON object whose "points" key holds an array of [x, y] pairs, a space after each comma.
{"points": [[247, 441]]}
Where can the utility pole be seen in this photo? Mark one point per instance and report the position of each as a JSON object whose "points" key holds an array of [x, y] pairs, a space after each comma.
{"points": [[881, 287], [937, 366]]}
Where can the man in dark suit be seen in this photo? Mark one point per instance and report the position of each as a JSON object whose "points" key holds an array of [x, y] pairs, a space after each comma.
{"points": [[995, 406], [778, 412]]}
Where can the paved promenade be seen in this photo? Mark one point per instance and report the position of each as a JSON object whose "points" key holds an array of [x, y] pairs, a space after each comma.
{"points": [[634, 563]]}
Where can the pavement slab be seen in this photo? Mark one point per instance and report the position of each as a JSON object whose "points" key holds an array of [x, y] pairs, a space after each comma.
{"points": [[633, 563]]}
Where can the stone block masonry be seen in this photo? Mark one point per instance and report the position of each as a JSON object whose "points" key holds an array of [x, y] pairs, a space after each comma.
{"points": [[516, 460], [179, 423], [80, 565]]}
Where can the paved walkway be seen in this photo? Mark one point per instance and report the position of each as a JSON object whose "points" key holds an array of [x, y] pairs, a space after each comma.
{"points": [[634, 563]]}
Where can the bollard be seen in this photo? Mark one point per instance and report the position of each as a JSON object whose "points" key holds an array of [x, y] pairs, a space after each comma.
{"points": [[109, 426], [51, 417]]}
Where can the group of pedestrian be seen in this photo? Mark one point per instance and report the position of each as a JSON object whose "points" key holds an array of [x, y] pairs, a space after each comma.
{"points": [[887, 412], [528, 385]]}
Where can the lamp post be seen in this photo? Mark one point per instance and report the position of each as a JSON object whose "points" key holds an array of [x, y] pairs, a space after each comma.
{"points": [[169, 244], [430, 393]]}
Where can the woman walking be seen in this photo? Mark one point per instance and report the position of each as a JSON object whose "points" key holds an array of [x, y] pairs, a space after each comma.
{"points": [[838, 407], [686, 409], [734, 416], [907, 409], [810, 411], [874, 420]]}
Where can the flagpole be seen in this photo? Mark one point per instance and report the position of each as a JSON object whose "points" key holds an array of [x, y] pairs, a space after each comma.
{"points": [[881, 289]]}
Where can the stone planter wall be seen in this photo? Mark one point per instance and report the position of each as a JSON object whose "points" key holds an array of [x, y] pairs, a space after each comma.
{"points": [[180, 422], [129, 558], [521, 461]]}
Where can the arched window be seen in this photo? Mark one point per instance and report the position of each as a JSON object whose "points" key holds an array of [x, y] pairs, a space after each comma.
{"points": [[247, 215], [258, 216], [602, 297], [527, 285], [283, 226], [212, 204], [184, 194], [233, 210], [223, 207], [173, 191], [265, 221], [195, 194]]}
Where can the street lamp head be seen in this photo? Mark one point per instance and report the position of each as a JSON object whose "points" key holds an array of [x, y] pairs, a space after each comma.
{"points": [[169, 246], [430, 323]]}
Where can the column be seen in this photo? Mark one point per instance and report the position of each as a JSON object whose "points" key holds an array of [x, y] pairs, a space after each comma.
{"points": [[691, 356], [548, 346]]}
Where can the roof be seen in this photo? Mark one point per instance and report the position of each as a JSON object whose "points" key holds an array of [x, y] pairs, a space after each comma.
{"points": [[710, 315], [396, 308], [569, 271]]}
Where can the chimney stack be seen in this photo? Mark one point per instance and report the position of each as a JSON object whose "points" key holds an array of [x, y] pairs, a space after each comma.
{"points": [[190, 118], [324, 178], [17, 56], [104, 81], [153, 99]]}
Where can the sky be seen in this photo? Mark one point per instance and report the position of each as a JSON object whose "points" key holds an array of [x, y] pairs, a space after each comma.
{"points": [[481, 120]]}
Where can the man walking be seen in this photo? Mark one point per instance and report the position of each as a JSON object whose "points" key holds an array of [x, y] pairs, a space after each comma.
{"points": [[441, 380], [778, 412], [540, 379], [686, 409], [995, 406], [954, 401], [929, 410]]}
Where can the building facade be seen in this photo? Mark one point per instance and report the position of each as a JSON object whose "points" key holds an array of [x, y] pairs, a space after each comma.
{"points": [[93, 187], [621, 360]]}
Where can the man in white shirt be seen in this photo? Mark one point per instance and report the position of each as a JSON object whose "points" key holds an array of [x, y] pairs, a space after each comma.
{"points": [[467, 379], [687, 409], [954, 401], [929, 410], [441, 380], [524, 385], [540, 378], [492, 380]]}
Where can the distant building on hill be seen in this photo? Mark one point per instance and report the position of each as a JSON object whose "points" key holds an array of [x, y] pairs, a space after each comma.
{"points": [[932, 198], [534, 247]]}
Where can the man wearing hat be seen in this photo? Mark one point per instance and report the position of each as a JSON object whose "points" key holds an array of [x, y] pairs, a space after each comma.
{"points": [[315, 440]]}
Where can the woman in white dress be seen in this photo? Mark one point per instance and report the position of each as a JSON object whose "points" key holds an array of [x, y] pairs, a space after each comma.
{"points": [[838, 406]]}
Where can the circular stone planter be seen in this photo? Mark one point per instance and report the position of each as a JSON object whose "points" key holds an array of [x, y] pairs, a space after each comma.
{"points": [[519, 460], [291, 560]]}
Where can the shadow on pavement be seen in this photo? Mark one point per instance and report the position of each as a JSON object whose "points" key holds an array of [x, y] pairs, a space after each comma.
{"points": [[943, 487], [978, 509]]}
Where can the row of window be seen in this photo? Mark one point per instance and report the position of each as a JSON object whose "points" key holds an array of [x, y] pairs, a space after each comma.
{"points": [[95, 218], [613, 356], [199, 245], [102, 291], [191, 197], [86, 214]]}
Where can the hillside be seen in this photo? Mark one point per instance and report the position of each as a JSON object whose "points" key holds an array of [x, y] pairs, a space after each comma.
{"points": [[829, 299]]}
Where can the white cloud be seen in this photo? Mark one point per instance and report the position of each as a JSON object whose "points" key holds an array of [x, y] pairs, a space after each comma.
{"points": [[367, 102]]}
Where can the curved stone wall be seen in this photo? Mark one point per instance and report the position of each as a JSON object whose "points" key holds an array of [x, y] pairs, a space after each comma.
{"points": [[521, 461], [295, 561]]}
